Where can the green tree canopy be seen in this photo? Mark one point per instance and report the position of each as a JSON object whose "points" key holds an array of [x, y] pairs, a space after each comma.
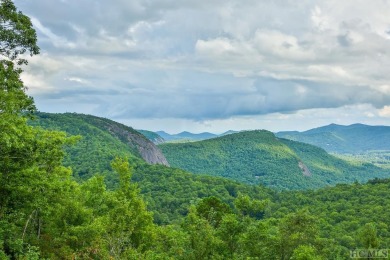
{"points": [[17, 35]]}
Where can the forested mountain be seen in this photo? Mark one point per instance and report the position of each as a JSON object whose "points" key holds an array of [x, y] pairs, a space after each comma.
{"points": [[169, 192], [356, 138], [100, 141], [256, 157]]}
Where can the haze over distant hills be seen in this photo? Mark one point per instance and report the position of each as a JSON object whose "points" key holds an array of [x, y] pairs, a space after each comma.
{"points": [[351, 139], [356, 138], [190, 136]]}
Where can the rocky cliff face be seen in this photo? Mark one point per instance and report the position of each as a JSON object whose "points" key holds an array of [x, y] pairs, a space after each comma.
{"points": [[304, 168], [158, 140], [146, 149], [152, 155], [117, 134]]}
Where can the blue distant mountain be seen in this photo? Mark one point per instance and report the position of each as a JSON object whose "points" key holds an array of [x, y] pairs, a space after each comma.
{"points": [[188, 136], [352, 139]]}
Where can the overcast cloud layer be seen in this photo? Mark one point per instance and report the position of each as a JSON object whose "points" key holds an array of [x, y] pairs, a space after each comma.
{"points": [[213, 65]]}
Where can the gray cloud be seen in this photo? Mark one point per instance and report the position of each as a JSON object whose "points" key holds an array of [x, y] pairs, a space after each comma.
{"points": [[269, 96], [203, 60]]}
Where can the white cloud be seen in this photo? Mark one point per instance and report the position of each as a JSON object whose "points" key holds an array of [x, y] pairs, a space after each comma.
{"points": [[320, 20], [384, 89], [214, 47], [78, 80], [282, 45], [212, 60], [385, 112]]}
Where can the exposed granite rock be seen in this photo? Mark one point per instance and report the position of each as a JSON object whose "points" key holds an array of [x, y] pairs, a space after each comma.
{"points": [[146, 149], [142, 146], [305, 169], [158, 140]]}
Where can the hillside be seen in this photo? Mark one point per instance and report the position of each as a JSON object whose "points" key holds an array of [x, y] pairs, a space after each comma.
{"points": [[168, 192], [353, 139], [101, 140], [344, 213], [258, 157]]}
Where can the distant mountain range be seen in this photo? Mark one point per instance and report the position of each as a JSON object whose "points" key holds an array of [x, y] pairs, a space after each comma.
{"points": [[187, 136], [260, 157], [352, 139]]}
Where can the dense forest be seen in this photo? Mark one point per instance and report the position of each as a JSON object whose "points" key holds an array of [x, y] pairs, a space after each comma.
{"points": [[168, 191], [258, 157], [112, 204]]}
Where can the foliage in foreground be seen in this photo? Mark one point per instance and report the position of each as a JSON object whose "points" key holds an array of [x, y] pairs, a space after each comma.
{"points": [[87, 221]]}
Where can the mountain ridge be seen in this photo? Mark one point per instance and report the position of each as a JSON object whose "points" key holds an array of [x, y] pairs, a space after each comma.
{"points": [[185, 135], [261, 157], [116, 137], [353, 139], [169, 192]]}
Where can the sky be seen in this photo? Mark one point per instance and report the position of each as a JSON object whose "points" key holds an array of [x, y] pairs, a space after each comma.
{"points": [[213, 65]]}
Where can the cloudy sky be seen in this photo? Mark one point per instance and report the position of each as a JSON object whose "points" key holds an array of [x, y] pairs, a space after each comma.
{"points": [[213, 65]]}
